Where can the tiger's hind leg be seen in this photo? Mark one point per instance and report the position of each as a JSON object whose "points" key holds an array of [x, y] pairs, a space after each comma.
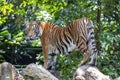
{"points": [[83, 48], [85, 58]]}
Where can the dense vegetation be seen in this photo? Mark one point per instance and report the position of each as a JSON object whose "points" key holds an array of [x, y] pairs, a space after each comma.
{"points": [[104, 13]]}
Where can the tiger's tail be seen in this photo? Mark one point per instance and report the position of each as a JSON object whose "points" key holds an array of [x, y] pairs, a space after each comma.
{"points": [[92, 45]]}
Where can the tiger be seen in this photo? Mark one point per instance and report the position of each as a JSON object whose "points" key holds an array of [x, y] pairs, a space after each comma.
{"points": [[78, 35]]}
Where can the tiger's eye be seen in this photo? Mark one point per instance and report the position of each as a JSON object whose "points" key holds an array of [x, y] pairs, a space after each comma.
{"points": [[33, 27]]}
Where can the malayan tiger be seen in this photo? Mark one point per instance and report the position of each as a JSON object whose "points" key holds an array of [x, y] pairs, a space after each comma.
{"points": [[79, 35]]}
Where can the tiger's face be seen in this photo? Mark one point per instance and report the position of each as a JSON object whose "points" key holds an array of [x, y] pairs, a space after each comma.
{"points": [[33, 30]]}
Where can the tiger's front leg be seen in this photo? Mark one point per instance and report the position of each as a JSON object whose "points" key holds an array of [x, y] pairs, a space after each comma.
{"points": [[49, 58], [45, 54], [51, 61]]}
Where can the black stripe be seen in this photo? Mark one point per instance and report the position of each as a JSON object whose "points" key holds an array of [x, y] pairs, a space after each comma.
{"points": [[65, 37], [59, 46], [87, 42], [78, 40], [58, 41], [62, 48], [69, 38], [52, 54], [91, 33], [58, 49], [92, 37], [69, 31], [79, 45], [94, 49], [83, 28], [53, 25], [63, 44], [84, 39], [91, 28], [93, 43], [84, 50], [57, 31]]}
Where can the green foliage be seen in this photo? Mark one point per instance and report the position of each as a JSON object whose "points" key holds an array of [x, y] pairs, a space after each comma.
{"points": [[67, 64], [13, 14], [110, 44], [12, 38]]}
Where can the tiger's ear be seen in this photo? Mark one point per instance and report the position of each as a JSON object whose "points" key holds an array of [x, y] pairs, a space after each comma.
{"points": [[38, 22], [26, 23]]}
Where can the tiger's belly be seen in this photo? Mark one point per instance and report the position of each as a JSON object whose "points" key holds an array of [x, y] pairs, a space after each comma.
{"points": [[62, 49], [72, 47]]}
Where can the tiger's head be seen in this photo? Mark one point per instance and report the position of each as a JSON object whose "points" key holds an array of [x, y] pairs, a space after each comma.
{"points": [[33, 30]]}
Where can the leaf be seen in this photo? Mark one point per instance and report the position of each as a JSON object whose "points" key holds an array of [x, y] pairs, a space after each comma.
{"points": [[19, 38], [4, 11], [107, 47], [4, 33]]}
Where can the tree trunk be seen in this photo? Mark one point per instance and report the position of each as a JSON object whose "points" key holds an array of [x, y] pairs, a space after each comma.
{"points": [[98, 26]]}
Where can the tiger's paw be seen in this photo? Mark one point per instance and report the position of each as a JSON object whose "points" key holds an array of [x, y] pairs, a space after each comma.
{"points": [[81, 65], [92, 64]]}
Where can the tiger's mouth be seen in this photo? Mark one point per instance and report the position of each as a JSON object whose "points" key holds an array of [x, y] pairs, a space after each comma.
{"points": [[32, 38], [29, 38]]}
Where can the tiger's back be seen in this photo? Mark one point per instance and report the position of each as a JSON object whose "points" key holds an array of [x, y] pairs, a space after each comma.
{"points": [[79, 34]]}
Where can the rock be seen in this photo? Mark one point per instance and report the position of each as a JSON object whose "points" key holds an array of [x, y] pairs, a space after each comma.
{"points": [[87, 72], [35, 72], [9, 72], [117, 78]]}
